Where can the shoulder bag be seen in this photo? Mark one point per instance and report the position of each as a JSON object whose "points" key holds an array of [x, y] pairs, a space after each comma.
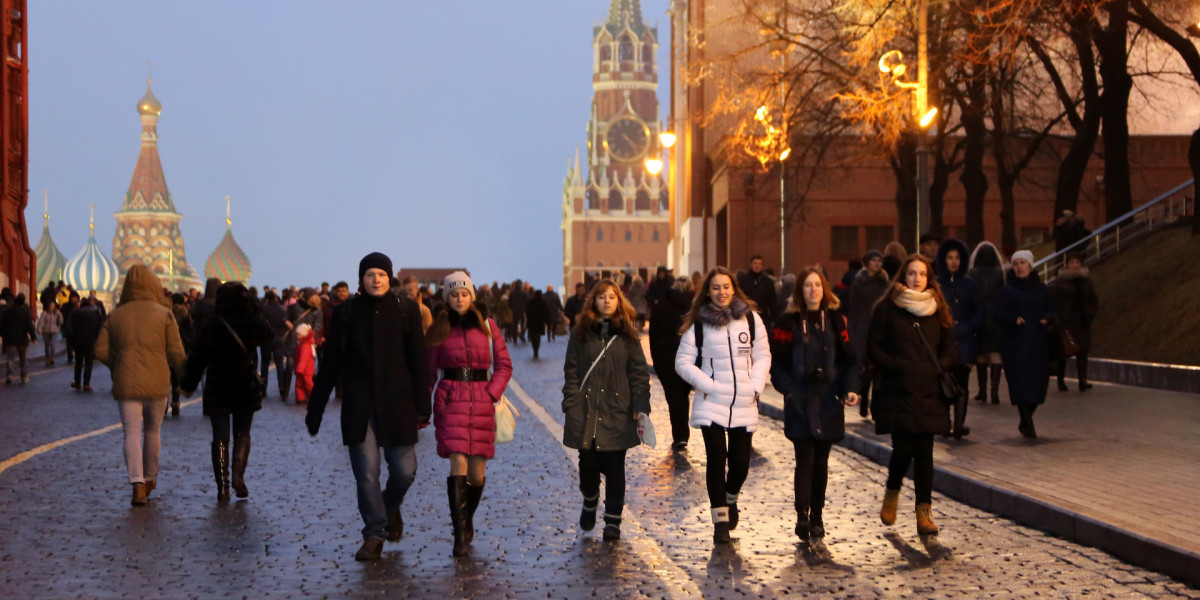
{"points": [[260, 384], [948, 388], [506, 413]]}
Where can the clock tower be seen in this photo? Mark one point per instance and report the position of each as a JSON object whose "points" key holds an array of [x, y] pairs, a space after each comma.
{"points": [[615, 216]]}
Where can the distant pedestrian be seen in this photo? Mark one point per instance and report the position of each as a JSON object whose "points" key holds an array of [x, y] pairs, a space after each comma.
{"points": [[225, 353], [870, 284], [728, 368], [656, 289], [468, 385], [518, 300], [574, 305], [554, 309], [203, 308], [17, 331], [909, 322], [504, 315], [987, 270], [666, 318], [961, 294], [537, 317], [759, 286], [410, 287], [85, 328], [187, 335], [893, 254], [48, 325], [1024, 309], [637, 299], [140, 345], [277, 351], [928, 246], [67, 309], [376, 346], [306, 320], [814, 367], [1075, 306], [606, 390]]}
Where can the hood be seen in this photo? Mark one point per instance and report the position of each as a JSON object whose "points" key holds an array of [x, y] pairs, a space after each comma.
{"points": [[142, 284], [943, 271], [985, 255]]}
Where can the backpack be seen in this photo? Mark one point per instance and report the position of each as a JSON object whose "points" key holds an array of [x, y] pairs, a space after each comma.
{"points": [[699, 332]]}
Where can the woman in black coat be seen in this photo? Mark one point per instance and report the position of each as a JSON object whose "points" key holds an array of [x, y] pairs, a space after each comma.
{"points": [[966, 306], [665, 320], [906, 400], [226, 347], [1024, 310], [814, 367], [537, 316], [987, 271], [1075, 306]]}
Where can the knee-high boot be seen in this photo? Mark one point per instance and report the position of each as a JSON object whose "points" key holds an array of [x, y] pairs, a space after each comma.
{"points": [[981, 375], [241, 454], [220, 464], [995, 373], [1081, 369], [960, 416], [456, 490], [474, 494]]}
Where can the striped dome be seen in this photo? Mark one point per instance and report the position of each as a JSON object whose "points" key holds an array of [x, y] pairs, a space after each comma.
{"points": [[91, 270], [228, 262], [50, 262]]}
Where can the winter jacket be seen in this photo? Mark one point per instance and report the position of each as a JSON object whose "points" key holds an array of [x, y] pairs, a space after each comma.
{"points": [[962, 295], [85, 328], [665, 320], [16, 326], [1025, 348], [814, 367], [733, 371], [49, 322], [905, 396], [760, 288], [276, 316], [228, 370], [537, 315], [1075, 304], [637, 298], [599, 412], [572, 309], [464, 414], [376, 346], [140, 341], [865, 292], [518, 301], [987, 272], [554, 306], [300, 313]]}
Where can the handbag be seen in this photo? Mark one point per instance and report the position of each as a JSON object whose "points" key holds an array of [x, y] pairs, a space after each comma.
{"points": [[645, 429], [260, 384], [506, 413], [948, 389], [1069, 346]]}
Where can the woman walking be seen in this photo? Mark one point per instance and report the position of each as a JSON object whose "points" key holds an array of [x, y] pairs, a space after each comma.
{"points": [[48, 325], [814, 367], [962, 296], [911, 323], [537, 316], [665, 320], [987, 271], [139, 342], [1075, 306], [463, 346], [1024, 310], [637, 299], [17, 331], [606, 390], [725, 355], [225, 353]]}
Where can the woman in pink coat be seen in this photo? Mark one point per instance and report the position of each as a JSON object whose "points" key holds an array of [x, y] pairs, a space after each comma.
{"points": [[461, 346]]}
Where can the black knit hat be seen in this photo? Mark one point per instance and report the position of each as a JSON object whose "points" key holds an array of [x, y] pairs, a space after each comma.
{"points": [[871, 254], [374, 260]]}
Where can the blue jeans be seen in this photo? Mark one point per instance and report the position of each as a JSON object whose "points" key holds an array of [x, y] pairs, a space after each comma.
{"points": [[374, 503]]}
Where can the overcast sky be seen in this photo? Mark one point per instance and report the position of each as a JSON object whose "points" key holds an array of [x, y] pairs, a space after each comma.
{"points": [[436, 132]]}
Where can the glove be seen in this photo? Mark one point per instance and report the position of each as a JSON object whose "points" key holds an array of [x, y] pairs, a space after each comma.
{"points": [[313, 421]]}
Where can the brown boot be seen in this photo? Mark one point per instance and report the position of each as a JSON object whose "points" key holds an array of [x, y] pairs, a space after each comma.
{"points": [[150, 485], [891, 500], [139, 494], [925, 524]]}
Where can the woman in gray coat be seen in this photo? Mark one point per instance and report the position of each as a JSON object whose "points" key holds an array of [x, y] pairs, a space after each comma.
{"points": [[606, 391]]}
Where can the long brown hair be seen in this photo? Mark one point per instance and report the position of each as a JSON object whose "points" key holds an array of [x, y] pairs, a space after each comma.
{"points": [[440, 330], [622, 319], [829, 300], [931, 286], [702, 297]]}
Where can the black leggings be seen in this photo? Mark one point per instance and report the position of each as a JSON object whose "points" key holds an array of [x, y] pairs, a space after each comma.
{"points": [[611, 464], [676, 390], [736, 455], [915, 449], [535, 340], [221, 421], [812, 474]]}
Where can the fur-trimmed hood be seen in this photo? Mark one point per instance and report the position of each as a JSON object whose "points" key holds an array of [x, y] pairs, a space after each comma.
{"points": [[943, 271], [720, 317]]}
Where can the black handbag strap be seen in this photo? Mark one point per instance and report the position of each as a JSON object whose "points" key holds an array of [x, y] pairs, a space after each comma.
{"points": [[928, 349], [236, 337]]}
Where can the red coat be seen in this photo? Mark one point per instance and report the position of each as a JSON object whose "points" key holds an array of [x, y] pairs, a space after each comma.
{"points": [[464, 415]]}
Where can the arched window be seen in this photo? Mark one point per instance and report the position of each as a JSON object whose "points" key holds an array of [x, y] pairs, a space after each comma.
{"points": [[593, 199], [615, 202], [628, 235], [625, 49], [642, 202], [599, 235], [605, 53], [655, 237]]}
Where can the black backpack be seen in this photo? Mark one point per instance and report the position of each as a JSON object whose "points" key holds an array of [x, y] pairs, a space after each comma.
{"points": [[699, 332]]}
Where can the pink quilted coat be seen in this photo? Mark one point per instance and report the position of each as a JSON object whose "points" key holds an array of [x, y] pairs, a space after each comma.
{"points": [[464, 416]]}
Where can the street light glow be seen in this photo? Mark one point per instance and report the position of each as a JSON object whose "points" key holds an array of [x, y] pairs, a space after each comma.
{"points": [[667, 138], [786, 153], [927, 118], [1194, 30], [654, 166]]}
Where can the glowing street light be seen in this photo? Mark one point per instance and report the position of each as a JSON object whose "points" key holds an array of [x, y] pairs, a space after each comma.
{"points": [[654, 166], [1194, 30], [667, 138], [927, 118]]}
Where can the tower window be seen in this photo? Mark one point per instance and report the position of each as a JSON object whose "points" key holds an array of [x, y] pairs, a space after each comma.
{"points": [[593, 199], [605, 53], [628, 235], [655, 236], [625, 50], [599, 235], [642, 202], [615, 202]]}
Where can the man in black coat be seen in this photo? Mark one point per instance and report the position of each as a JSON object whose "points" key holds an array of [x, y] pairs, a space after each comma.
{"points": [[376, 346], [575, 304], [760, 288], [277, 350], [85, 328]]}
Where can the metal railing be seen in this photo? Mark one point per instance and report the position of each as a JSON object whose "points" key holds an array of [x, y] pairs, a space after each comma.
{"points": [[1130, 227]]}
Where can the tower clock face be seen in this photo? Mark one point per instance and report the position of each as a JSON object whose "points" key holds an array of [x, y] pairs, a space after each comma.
{"points": [[627, 139]]}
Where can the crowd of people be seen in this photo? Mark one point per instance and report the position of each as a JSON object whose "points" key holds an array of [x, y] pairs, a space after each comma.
{"points": [[891, 335]]}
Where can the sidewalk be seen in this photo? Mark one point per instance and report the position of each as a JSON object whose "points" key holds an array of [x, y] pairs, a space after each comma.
{"points": [[1117, 468]]}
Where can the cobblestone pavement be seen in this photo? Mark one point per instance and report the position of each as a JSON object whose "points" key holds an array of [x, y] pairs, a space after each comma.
{"points": [[70, 533]]}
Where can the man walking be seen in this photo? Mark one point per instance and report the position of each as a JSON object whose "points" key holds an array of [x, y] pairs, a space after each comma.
{"points": [[376, 346], [759, 287], [555, 308], [277, 350]]}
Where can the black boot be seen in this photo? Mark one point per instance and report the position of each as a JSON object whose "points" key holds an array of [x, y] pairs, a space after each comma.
{"points": [[981, 375], [960, 416], [995, 374], [816, 525], [587, 517], [456, 489], [474, 494], [241, 454], [1081, 369], [220, 464], [803, 524], [1026, 426]]}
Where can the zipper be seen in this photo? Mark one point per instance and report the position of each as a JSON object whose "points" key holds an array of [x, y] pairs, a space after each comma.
{"points": [[732, 369]]}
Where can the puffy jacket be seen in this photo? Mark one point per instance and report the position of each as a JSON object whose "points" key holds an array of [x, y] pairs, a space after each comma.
{"points": [[140, 341], [599, 412], [733, 372], [464, 414]]}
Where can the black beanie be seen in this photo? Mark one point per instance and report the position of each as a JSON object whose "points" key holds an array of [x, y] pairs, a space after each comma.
{"points": [[374, 260]]}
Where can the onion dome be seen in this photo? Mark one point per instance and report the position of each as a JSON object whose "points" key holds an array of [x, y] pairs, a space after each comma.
{"points": [[50, 262], [149, 105], [90, 269], [228, 262]]}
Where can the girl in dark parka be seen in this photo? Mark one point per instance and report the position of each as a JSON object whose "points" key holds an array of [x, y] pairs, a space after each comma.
{"points": [[966, 306], [814, 367], [987, 271]]}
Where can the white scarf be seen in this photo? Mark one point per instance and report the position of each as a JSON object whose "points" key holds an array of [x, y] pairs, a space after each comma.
{"points": [[921, 304]]}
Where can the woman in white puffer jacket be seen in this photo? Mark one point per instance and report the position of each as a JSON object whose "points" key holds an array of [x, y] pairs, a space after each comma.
{"points": [[734, 366]]}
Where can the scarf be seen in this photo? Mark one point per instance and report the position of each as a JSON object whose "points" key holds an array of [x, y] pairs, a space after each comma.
{"points": [[921, 304]]}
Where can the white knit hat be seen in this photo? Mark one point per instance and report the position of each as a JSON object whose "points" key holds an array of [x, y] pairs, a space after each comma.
{"points": [[1025, 254], [456, 280]]}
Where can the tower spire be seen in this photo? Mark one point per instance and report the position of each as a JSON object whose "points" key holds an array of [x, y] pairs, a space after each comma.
{"points": [[46, 211], [228, 221], [92, 220]]}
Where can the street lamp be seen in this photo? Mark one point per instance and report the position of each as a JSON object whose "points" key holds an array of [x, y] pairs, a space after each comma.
{"points": [[1194, 30], [892, 63]]}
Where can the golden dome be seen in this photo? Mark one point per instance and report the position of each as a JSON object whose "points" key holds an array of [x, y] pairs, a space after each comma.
{"points": [[149, 105]]}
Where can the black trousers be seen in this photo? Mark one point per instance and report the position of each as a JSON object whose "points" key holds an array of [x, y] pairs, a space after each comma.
{"points": [[83, 365], [735, 454], [676, 390], [1081, 368], [283, 366], [535, 340], [915, 449], [610, 464], [241, 421], [812, 474]]}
